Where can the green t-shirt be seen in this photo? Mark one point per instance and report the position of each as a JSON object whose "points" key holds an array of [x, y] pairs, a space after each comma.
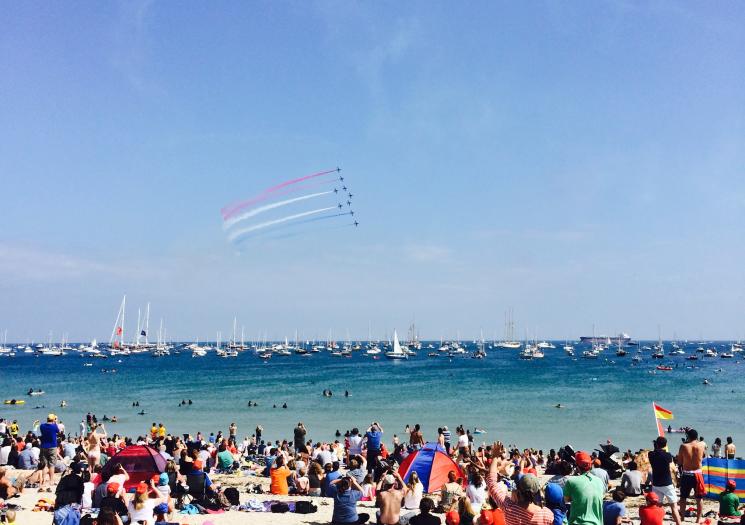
{"points": [[728, 504], [586, 493], [224, 460]]}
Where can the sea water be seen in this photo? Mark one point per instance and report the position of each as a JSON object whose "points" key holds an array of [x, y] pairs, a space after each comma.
{"points": [[514, 400]]}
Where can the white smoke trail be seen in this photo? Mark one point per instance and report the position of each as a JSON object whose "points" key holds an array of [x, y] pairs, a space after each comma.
{"points": [[238, 233], [229, 223]]}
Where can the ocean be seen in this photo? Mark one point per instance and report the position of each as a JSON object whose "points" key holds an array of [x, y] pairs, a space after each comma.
{"points": [[512, 399]]}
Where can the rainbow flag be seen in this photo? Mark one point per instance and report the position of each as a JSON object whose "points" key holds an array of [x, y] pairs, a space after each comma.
{"points": [[661, 413]]}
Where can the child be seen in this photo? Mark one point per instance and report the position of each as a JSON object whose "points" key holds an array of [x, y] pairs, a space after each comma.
{"points": [[555, 502], [614, 512], [652, 513], [10, 517], [368, 489]]}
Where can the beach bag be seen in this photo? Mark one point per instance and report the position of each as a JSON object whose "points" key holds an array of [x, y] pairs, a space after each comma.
{"points": [[280, 507], [232, 495], [305, 507]]}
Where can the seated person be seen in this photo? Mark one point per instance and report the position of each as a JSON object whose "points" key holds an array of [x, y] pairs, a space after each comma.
{"points": [[729, 503], [425, 517], [114, 500], [652, 513]]}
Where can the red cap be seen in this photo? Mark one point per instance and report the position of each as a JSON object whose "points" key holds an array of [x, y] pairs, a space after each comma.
{"points": [[155, 478], [112, 488], [141, 488], [652, 497], [584, 460], [452, 518], [486, 518], [731, 484]]}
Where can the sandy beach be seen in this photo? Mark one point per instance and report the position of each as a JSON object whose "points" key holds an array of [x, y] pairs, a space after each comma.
{"points": [[233, 517]]}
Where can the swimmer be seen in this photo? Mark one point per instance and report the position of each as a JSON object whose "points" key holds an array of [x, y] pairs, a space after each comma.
{"points": [[284, 405], [559, 405], [141, 413], [346, 393]]}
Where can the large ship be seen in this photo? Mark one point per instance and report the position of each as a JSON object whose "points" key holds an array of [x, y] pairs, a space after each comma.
{"points": [[624, 339]]}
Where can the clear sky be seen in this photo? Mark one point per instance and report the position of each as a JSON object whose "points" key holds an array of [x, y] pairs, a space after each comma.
{"points": [[580, 162]]}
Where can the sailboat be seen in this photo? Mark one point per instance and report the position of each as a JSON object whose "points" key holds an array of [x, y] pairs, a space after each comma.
{"points": [[509, 332], [397, 352]]}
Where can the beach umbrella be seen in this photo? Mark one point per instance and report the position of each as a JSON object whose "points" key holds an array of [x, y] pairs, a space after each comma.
{"points": [[432, 464], [140, 461]]}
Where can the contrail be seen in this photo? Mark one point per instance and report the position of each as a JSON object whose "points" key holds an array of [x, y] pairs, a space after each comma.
{"points": [[238, 233], [229, 211], [235, 220]]}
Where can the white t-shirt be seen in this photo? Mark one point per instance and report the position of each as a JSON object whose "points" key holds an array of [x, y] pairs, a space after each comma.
{"points": [[463, 441], [4, 451], [477, 496], [355, 445], [144, 514], [414, 497]]}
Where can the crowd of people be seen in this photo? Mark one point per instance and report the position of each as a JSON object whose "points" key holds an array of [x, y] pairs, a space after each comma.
{"points": [[487, 484]]}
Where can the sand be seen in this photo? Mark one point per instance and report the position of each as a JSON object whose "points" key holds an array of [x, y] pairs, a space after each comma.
{"points": [[323, 517]]}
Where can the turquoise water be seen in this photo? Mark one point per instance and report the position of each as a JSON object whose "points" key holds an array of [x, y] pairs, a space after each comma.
{"points": [[511, 398]]}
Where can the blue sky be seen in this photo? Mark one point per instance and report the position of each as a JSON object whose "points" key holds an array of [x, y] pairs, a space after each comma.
{"points": [[579, 162]]}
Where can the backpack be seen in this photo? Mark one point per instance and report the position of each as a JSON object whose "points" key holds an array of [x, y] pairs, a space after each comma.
{"points": [[231, 493], [305, 507]]}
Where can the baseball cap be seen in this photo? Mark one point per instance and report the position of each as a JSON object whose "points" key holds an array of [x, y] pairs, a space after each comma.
{"points": [[112, 488], [141, 488], [390, 479], [731, 484], [652, 497], [452, 518], [529, 483], [163, 479], [198, 464], [584, 460], [161, 508]]}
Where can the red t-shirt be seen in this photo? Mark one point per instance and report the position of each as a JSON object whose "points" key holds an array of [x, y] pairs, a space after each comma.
{"points": [[651, 515]]}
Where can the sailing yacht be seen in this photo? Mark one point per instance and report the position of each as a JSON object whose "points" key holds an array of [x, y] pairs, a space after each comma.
{"points": [[397, 352], [509, 332]]}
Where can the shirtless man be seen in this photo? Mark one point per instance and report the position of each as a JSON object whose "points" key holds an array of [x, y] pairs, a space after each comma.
{"points": [[729, 449], [690, 455], [391, 491]]}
